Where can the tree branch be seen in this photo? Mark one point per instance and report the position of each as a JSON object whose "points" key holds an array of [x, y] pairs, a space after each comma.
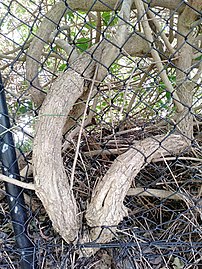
{"points": [[185, 45], [156, 193], [51, 21], [108, 5], [63, 44], [106, 207], [33, 57], [161, 32], [155, 55], [29, 186]]}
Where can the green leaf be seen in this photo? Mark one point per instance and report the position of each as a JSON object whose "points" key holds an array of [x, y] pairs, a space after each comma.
{"points": [[172, 78], [199, 58], [82, 43], [108, 19], [62, 67], [24, 108], [89, 25], [70, 15], [168, 95]]}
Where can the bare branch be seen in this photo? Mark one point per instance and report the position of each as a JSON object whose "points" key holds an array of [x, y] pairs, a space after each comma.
{"points": [[108, 5], [48, 25], [138, 87], [194, 80], [156, 193], [162, 34], [35, 50], [81, 130], [16, 182], [106, 207], [155, 55], [63, 44]]}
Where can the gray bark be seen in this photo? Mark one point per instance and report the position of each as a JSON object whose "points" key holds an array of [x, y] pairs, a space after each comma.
{"points": [[51, 183], [134, 46], [106, 207], [85, 5], [185, 89]]}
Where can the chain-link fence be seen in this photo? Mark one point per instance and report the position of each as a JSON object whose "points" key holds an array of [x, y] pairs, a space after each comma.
{"points": [[100, 128]]}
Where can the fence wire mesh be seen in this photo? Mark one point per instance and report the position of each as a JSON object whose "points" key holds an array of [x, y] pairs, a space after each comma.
{"points": [[104, 115]]}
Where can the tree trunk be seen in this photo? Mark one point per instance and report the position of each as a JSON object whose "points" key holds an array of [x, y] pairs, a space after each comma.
{"points": [[184, 88]]}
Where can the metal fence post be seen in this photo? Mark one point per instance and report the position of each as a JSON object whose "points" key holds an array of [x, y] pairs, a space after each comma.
{"points": [[14, 193]]}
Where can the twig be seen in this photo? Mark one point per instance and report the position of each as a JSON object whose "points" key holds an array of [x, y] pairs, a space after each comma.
{"points": [[122, 132], [126, 89], [156, 193], [131, 192], [23, 58], [81, 130], [171, 26], [11, 57], [162, 34], [176, 158], [162, 72], [105, 151], [171, 172], [98, 27], [70, 50], [74, 132], [138, 87], [29, 186], [195, 79]]}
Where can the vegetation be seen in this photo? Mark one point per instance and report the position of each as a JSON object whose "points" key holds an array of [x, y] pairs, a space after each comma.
{"points": [[96, 91]]}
